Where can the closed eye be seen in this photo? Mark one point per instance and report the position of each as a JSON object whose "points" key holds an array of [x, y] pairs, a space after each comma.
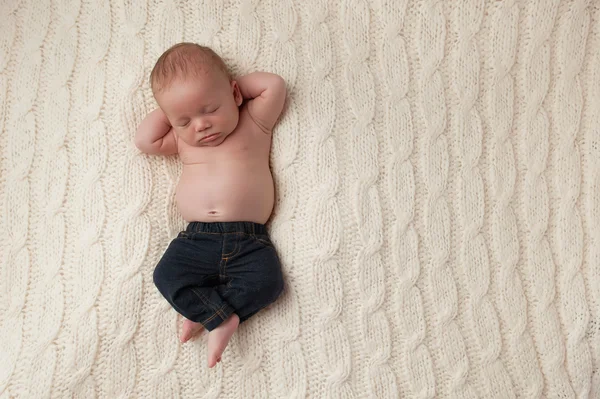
{"points": [[184, 124]]}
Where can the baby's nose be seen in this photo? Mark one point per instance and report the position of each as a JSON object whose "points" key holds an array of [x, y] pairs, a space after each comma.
{"points": [[202, 125]]}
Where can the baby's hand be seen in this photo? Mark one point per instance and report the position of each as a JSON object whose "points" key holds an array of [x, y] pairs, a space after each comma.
{"points": [[266, 92], [155, 135]]}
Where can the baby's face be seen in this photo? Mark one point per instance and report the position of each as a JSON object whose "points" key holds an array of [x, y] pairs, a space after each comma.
{"points": [[203, 111]]}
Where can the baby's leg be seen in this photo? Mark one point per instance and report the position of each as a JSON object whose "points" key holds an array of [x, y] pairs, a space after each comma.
{"points": [[256, 279], [219, 338], [188, 276], [189, 329]]}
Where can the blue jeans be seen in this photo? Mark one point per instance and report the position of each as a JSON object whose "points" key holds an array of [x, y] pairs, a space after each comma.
{"points": [[212, 270]]}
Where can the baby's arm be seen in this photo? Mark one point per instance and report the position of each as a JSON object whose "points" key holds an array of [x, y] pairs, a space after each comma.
{"points": [[266, 92], [155, 135]]}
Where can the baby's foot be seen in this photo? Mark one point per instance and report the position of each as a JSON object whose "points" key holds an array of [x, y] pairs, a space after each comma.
{"points": [[219, 338], [189, 329]]}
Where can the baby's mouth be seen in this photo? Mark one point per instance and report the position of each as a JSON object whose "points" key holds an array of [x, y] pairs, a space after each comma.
{"points": [[210, 137]]}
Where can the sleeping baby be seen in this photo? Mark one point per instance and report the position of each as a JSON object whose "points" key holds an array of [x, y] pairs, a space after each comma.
{"points": [[222, 268]]}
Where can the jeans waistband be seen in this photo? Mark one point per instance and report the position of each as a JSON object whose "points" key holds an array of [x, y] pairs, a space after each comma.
{"points": [[227, 227]]}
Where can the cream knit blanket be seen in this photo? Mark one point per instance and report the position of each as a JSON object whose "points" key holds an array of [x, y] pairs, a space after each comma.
{"points": [[437, 215]]}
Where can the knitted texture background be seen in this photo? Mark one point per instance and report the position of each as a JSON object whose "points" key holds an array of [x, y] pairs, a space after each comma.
{"points": [[438, 200]]}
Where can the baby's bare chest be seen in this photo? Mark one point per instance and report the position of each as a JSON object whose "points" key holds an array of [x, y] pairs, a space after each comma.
{"points": [[240, 146]]}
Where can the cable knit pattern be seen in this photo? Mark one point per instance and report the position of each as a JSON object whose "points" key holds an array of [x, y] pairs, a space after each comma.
{"points": [[38, 370], [565, 163], [18, 271], [440, 283], [589, 144], [290, 379], [325, 221], [472, 252], [414, 355], [132, 233], [498, 105], [372, 320], [89, 198], [437, 213], [533, 127]]}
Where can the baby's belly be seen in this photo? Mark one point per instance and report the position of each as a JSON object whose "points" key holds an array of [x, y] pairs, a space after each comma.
{"points": [[225, 194]]}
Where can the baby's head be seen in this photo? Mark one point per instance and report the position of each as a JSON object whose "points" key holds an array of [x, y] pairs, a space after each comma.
{"points": [[193, 87]]}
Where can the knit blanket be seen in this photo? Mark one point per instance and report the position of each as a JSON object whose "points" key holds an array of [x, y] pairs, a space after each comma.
{"points": [[437, 173]]}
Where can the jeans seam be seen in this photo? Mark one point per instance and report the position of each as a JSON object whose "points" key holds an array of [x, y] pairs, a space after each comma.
{"points": [[203, 298], [223, 266], [217, 312], [235, 251], [264, 243]]}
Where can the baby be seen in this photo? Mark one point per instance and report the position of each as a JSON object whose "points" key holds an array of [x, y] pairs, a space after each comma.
{"points": [[223, 268]]}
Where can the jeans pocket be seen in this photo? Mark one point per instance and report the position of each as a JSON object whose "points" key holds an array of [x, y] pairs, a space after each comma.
{"points": [[263, 240]]}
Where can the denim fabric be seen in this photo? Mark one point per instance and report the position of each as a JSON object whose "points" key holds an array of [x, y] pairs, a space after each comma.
{"points": [[212, 270]]}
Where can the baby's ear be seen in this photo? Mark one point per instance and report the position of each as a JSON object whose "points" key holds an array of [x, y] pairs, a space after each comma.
{"points": [[237, 95]]}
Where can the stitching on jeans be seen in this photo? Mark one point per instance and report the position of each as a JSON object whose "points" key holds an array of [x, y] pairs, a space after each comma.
{"points": [[255, 235], [222, 250], [265, 243], [235, 251], [225, 255], [222, 266], [219, 312], [203, 298], [211, 318]]}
